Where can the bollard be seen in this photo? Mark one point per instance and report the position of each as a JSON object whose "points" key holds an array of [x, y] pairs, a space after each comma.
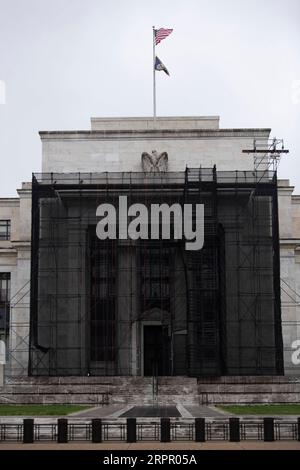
{"points": [[200, 429], [165, 434], [234, 430], [298, 421], [62, 430], [28, 431], [96, 430], [268, 429], [131, 429]]}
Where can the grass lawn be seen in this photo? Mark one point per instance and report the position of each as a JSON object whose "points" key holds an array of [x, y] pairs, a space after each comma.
{"points": [[289, 409], [40, 410]]}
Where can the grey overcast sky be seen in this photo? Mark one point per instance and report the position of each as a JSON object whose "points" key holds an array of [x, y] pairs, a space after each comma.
{"points": [[63, 61]]}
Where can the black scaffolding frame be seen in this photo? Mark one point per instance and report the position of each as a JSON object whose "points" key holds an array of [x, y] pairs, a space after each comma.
{"points": [[219, 307]]}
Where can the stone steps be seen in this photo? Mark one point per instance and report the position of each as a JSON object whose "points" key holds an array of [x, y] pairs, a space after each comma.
{"points": [[113, 380], [97, 390], [139, 400], [251, 379], [139, 391], [249, 389], [247, 398], [80, 398]]}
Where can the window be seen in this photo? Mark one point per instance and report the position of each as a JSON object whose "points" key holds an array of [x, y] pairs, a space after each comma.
{"points": [[4, 303], [4, 230], [103, 259], [155, 276]]}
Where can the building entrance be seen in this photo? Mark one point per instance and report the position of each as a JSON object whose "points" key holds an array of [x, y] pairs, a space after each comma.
{"points": [[156, 350]]}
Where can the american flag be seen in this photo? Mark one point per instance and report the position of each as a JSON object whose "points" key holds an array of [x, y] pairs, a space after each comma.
{"points": [[161, 34]]}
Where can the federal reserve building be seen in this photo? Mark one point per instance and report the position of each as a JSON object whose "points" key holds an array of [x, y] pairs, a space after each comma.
{"points": [[152, 248]]}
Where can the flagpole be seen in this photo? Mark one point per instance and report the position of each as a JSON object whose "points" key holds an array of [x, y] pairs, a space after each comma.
{"points": [[154, 84]]}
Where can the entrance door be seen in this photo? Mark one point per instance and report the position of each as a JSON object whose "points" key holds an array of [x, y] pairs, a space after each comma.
{"points": [[156, 350]]}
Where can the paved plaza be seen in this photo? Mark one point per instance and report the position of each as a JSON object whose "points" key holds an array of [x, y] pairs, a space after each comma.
{"points": [[121, 411]]}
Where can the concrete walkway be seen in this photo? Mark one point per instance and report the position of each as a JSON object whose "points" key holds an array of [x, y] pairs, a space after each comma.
{"points": [[115, 411], [206, 412], [107, 411]]}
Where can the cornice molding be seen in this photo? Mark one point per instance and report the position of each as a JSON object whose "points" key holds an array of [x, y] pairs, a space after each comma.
{"points": [[173, 134], [290, 241]]}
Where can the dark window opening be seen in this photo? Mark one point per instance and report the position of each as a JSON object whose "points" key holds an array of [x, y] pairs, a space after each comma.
{"points": [[4, 304], [4, 230], [155, 276], [103, 299]]}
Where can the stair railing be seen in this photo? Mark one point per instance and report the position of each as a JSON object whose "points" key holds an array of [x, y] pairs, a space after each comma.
{"points": [[154, 382]]}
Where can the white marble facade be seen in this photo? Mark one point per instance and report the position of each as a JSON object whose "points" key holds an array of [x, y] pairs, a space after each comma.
{"points": [[289, 228], [15, 259], [116, 144]]}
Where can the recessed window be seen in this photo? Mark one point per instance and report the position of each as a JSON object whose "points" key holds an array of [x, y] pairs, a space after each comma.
{"points": [[155, 272], [103, 259], [4, 304], [4, 230]]}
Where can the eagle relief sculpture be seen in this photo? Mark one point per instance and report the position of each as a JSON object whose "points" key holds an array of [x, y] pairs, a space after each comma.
{"points": [[154, 163]]}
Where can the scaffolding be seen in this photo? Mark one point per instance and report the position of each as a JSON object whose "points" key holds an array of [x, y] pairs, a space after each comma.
{"points": [[139, 307], [267, 153]]}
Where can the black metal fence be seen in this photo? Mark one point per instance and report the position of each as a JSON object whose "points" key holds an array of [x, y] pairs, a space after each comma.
{"points": [[165, 430]]}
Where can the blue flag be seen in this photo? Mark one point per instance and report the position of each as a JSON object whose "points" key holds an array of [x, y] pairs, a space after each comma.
{"points": [[160, 66]]}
